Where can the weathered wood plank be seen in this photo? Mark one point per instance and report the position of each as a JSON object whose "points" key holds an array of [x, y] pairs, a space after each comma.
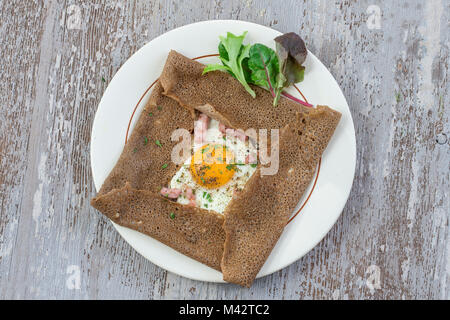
{"points": [[54, 55]]}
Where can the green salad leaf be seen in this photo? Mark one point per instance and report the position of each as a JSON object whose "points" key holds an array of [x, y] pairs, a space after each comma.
{"points": [[263, 64], [232, 54], [291, 52]]}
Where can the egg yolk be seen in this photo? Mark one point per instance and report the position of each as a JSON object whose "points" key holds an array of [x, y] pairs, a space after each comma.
{"points": [[209, 166]]}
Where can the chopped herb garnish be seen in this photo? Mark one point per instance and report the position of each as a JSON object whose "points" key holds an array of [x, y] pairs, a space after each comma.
{"points": [[158, 143], [254, 165], [172, 215], [164, 165], [159, 108], [145, 140], [135, 149], [103, 79], [206, 205], [204, 194], [150, 114], [398, 96], [233, 167]]}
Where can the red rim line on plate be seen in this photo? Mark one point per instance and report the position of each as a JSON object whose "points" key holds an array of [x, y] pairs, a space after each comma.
{"points": [[215, 55]]}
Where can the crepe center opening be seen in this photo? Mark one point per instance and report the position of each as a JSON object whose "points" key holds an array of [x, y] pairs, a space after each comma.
{"points": [[216, 170]]}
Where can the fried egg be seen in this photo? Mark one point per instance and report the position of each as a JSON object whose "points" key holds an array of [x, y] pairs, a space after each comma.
{"points": [[215, 171]]}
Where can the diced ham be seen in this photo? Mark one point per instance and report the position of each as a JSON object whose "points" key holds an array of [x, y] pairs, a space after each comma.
{"points": [[240, 135], [233, 133], [171, 193], [222, 128], [189, 193], [192, 203], [200, 128], [250, 158]]}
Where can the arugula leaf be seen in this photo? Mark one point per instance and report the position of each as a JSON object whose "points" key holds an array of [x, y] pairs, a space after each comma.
{"points": [[232, 54], [247, 72], [223, 52], [215, 67], [291, 52]]}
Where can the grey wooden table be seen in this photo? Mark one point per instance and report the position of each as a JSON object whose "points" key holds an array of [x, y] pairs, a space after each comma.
{"points": [[391, 59]]}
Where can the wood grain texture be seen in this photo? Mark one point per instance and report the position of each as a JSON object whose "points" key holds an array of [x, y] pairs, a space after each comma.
{"points": [[396, 80]]}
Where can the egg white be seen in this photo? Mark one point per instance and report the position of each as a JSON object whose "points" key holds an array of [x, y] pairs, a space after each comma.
{"points": [[218, 198]]}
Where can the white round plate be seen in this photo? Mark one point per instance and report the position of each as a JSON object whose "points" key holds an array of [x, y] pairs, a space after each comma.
{"points": [[319, 87]]}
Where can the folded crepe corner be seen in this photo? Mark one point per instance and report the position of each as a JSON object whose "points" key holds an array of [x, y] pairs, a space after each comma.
{"points": [[239, 242], [193, 231], [256, 218]]}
